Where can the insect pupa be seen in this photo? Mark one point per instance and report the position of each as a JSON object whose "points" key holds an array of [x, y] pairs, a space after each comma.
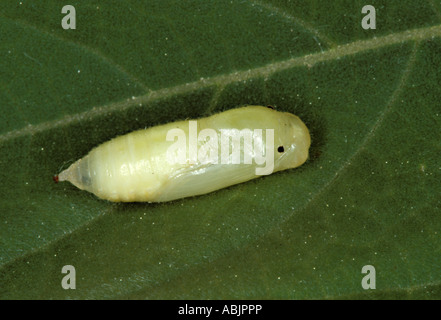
{"points": [[192, 157]]}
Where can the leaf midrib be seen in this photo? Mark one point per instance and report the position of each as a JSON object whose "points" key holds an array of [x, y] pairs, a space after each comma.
{"points": [[221, 81]]}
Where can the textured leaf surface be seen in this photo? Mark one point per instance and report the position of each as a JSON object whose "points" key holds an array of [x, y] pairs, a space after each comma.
{"points": [[369, 194]]}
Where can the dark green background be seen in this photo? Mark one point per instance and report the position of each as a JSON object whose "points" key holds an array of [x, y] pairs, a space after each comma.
{"points": [[369, 194]]}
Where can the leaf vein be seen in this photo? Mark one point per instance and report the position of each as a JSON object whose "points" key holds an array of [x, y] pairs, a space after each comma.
{"points": [[90, 50], [297, 21], [309, 60]]}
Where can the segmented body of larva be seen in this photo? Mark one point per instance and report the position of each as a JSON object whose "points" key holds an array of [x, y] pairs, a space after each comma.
{"points": [[150, 165]]}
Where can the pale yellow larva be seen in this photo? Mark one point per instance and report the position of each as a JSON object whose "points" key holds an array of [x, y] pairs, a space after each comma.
{"points": [[150, 165]]}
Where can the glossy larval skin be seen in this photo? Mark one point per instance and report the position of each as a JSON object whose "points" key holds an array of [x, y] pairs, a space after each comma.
{"points": [[136, 167]]}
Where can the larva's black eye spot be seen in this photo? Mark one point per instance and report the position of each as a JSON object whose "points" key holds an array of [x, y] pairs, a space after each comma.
{"points": [[271, 107], [281, 149]]}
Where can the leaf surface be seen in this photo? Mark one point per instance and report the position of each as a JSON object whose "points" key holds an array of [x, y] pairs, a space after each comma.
{"points": [[368, 195]]}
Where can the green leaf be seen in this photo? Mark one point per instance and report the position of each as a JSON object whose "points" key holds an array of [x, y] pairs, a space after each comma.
{"points": [[368, 195]]}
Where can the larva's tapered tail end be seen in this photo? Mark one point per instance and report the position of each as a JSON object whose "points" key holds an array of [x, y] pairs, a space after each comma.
{"points": [[77, 174], [55, 178], [64, 175], [70, 174]]}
